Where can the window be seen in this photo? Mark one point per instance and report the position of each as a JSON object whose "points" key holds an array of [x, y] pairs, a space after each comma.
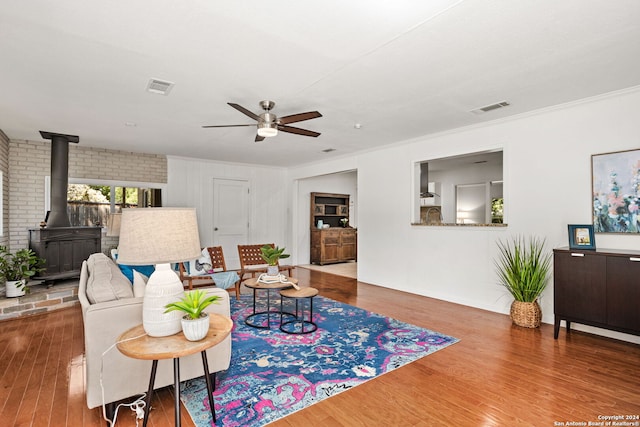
{"points": [[89, 205], [90, 201]]}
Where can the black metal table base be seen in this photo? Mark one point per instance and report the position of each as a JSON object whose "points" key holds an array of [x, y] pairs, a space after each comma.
{"points": [[251, 319], [298, 319], [176, 389]]}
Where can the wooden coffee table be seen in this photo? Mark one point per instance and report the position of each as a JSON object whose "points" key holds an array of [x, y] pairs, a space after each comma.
{"points": [[136, 344], [256, 285]]}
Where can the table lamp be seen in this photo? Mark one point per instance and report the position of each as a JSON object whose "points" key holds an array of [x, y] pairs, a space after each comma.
{"points": [[159, 236]]}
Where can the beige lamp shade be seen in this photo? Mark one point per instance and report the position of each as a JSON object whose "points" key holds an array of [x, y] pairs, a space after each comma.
{"points": [[158, 236]]}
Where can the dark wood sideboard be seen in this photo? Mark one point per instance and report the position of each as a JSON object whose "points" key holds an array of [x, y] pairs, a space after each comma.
{"points": [[598, 288]]}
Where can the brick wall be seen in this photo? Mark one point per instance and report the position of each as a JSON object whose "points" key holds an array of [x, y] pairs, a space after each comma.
{"points": [[30, 163], [97, 163], [4, 167]]}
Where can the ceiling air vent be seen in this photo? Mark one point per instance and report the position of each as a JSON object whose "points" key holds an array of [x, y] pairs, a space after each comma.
{"points": [[328, 150], [161, 87], [491, 107]]}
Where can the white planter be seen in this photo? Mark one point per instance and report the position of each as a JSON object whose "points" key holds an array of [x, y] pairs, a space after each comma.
{"points": [[273, 270], [195, 329], [13, 290]]}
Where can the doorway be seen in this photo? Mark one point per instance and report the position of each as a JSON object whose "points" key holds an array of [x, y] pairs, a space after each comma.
{"points": [[345, 182]]}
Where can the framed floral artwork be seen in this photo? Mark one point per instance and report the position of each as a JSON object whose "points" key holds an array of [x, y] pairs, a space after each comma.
{"points": [[615, 184]]}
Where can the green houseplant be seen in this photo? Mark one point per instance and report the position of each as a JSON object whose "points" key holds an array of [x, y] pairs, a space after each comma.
{"points": [[271, 255], [523, 269], [195, 323], [17, 268]]}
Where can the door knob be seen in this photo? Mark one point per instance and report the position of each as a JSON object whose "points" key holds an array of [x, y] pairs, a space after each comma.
{"points": [[215, 229]]}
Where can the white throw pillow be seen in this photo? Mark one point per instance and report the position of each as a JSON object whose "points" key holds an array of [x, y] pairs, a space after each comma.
{"points": [[200, 266], [139, 284]]}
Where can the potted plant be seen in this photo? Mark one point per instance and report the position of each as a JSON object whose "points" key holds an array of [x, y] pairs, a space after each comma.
{"points": [[523, 269], [17, 268], [271, 255], [344, 222], [195, 323]]}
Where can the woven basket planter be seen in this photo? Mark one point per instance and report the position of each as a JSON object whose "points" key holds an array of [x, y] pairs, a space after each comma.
{"points": [[526, 314]]}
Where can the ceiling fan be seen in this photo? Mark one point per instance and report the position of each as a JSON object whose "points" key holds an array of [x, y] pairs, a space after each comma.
{"points": [[269, 124]]}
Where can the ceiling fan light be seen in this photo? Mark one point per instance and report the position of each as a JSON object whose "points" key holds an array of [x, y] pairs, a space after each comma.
{"points": [[267, 130]]}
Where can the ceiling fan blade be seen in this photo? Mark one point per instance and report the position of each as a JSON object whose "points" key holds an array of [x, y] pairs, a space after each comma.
{"points": [[299, 117], [259, 138], [244, 110], [227, 126], [298, 131]]}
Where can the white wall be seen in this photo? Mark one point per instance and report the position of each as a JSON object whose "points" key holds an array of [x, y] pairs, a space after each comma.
{"points": [[547, 186], [190, 183], [341, 183]]}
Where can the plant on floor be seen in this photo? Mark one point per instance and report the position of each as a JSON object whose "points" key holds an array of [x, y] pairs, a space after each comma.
{"points": [[523, 269], [271, 255], [19, 266], [193, 303]]}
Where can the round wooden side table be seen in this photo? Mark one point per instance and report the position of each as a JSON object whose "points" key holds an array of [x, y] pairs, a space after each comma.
{"points": [[136, 344], [302, 294], [256, 285]]}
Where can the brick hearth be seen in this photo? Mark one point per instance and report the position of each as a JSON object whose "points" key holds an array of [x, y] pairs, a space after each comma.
{"points": [[40, 299]]}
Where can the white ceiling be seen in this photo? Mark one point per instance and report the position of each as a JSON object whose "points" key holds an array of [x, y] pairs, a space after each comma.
{"points": [[401, 69]]}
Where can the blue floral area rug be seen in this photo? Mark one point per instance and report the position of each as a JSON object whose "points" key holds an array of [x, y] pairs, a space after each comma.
{"points": [[273, 374]]}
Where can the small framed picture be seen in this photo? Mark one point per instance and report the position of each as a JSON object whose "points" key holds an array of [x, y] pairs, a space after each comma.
{"points": [[581, 236]]}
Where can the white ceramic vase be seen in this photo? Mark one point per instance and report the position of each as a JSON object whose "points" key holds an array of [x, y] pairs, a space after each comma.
{"points": [[14, 288], [195, 329]]}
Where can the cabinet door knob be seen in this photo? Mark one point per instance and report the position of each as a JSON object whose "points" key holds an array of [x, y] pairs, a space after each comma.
{"points": [[634, 259], [576, 254]]}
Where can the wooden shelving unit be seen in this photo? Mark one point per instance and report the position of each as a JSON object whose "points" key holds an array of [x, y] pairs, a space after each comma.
{"points": [[336, 243]]}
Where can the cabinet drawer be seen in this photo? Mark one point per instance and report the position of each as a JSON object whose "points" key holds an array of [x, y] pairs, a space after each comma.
{"points": [[331, 237], [348, 237]]}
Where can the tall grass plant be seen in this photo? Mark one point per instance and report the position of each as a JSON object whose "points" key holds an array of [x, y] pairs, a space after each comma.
{"points": [[523, 267]]}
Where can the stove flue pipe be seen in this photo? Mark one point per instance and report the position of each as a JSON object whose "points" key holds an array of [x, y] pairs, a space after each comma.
{"points": [[58, 216]]}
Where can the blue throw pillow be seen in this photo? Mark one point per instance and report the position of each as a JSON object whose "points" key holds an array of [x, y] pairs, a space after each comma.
{"points": [[127, 270]]}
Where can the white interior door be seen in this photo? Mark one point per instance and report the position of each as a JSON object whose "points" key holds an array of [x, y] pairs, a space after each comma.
{"points": [[230, 217]]}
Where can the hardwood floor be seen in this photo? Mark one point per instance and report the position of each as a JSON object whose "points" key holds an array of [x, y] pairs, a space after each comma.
{"points": [[497, 375]]}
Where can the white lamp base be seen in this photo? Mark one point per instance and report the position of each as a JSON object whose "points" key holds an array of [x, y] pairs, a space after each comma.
{"points": [[163, 287]]}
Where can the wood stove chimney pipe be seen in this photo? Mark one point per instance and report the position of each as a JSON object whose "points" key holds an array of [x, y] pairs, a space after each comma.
{"points": [[58, 216]]}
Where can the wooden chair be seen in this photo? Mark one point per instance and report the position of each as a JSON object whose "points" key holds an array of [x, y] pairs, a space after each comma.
{"points": [[217, 263], [251, 261]]}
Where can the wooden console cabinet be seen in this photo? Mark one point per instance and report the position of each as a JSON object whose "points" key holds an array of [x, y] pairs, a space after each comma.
{"points": [[598, 288], [335, 243]]}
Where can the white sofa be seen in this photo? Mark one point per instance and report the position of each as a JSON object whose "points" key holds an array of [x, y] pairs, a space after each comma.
{"points": [[123, 377]]}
